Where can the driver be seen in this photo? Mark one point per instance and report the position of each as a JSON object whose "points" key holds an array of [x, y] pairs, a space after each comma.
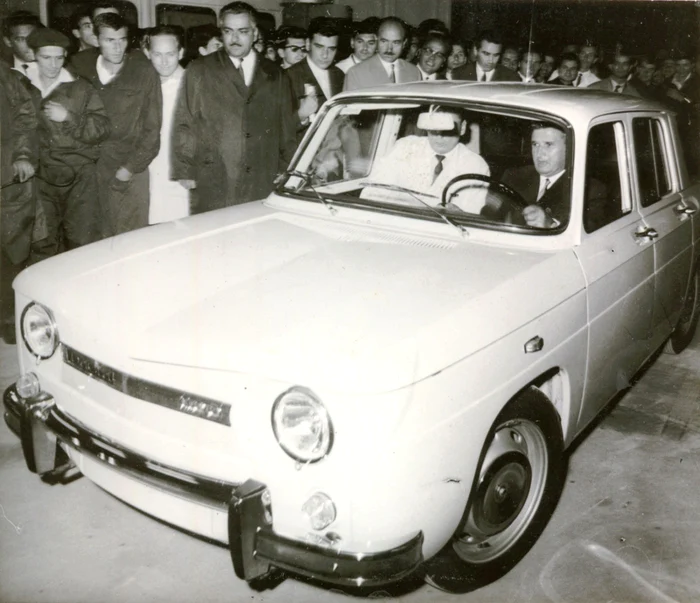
{"points": [[426, 164]]}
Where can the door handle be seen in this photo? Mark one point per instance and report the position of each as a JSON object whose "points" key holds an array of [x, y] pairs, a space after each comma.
{"points": [[684, 210], [647, 233]]}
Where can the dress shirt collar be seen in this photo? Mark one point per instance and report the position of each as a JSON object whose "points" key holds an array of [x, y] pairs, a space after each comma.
{"points": [[480, 72], [248, 64], [33, 75], [552, 179], [525, 79], [321, 76], [425, 76], [387, 67], [19, 65], [105, 74]]}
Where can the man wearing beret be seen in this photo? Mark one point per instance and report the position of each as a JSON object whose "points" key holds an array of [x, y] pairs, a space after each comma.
{"points": [[72, 123], [129, 87]]}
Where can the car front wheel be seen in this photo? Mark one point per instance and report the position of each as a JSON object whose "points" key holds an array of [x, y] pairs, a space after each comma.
{"points": [[514, 494]]}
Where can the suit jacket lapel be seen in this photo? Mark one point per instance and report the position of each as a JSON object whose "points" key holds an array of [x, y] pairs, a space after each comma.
{"points": [[260, 75], [379, 73]]}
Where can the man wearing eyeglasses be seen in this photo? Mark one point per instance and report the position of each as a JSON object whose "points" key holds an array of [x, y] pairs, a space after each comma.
{"points": [[315, 79], [291, 45], [432, 57]]}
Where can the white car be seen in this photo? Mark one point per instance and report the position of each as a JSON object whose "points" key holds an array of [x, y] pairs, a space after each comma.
{"points": [[377, 369]]}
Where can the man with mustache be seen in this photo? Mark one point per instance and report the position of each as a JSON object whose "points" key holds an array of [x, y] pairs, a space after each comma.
{"points": [[386, 66], [234, 128]]}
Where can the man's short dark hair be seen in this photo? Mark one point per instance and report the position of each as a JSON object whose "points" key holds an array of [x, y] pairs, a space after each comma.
{"points": [[490, 36], [430, 26], [541, 125], [323, 26], [239, 8], [366, 26], [394, 21], [109, 21], [165, 30], [570, 56], [103, 5], [288, 32], [437, 37], [78, 15], [18, 19], [200, 35]]}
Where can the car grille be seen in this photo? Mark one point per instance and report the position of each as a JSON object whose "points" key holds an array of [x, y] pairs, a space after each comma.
{"points": [[174, 399]]}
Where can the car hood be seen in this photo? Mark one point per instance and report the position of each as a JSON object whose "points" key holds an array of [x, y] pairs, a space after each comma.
{"points": [[316, 302]]}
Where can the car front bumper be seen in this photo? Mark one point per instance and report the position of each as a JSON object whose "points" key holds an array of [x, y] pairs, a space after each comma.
{"points": [[257, 551]]}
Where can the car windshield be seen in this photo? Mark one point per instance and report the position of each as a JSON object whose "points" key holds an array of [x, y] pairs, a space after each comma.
{"points": [[464, 165]]}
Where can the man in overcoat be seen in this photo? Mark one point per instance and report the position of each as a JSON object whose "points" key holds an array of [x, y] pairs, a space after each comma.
{"points": [[234, 128], [18, 157]]}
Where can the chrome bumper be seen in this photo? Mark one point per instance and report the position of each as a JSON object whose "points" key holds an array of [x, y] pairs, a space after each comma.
{"points": [[257, 551]]}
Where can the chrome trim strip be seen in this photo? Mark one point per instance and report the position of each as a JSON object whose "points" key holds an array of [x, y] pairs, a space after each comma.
{"points": [[191, 486], [192, 405]]}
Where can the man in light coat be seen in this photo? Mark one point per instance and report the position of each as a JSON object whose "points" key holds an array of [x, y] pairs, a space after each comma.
{"points": [[387, 66]]}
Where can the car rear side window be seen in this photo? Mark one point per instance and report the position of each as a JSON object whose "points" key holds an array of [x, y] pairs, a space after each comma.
{"points": [[603, 200], [652, 163]]}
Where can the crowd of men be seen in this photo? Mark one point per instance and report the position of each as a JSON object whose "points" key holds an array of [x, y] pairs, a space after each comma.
{"points": [[107, 131]]}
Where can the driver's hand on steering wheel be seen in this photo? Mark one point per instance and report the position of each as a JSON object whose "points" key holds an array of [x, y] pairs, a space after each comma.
{"points": [[535, 215]]}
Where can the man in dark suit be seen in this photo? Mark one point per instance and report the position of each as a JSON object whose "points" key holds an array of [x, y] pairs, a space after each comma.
{"points": [[432, 56], [488, 46], [618, 80], [545, 184], [315, 79], [387, 66], [234, 128]]}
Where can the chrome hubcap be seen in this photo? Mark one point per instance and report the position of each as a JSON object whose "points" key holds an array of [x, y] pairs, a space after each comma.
{"points": [[509, 492]]}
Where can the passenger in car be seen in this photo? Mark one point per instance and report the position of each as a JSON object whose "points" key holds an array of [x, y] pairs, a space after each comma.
{"points": [[428, 163]]}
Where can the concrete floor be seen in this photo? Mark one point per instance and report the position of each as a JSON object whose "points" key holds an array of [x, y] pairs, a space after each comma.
{"points": [[627, 527]]}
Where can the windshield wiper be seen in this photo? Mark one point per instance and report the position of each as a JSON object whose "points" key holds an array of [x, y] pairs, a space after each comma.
{"points": [[415, 194], [306, 182]]}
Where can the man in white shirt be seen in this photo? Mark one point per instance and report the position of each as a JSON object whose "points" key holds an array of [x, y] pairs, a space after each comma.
{"points": [[387, 66], [432, 57], [168, 200], [426, 164], [363, 44]]}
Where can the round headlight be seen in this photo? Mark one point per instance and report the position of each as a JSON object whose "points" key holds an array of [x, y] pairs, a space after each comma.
{"points": [[302, 425], [39, 330]]}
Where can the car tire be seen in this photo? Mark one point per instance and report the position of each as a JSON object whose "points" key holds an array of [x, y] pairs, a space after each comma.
{"points": [[687, 323], [513, 496]]}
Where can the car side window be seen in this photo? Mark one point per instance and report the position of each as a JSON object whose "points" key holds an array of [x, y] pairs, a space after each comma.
{"points": [[603, 199], [652, 163]]}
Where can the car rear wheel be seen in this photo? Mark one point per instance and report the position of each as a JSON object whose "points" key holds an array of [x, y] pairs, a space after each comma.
{"points": [[514, 494], [687, 323]]}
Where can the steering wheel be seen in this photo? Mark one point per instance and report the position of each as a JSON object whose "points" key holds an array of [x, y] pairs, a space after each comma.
{"points": [[512, 198]]}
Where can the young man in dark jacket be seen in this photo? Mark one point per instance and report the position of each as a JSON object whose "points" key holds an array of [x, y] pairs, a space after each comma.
{"points": [[72, 123], [129, 87]]}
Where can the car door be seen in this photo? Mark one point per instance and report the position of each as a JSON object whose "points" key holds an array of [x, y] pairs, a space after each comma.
{"points": [[617, 258], [666, 215]]}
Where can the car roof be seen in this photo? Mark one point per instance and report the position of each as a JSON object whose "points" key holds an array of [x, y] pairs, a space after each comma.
{"points": [[573, 104]]}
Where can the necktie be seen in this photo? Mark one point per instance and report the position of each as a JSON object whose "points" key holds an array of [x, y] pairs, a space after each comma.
{"points": [[543, 190], [392, 75], [438, 167], [577, 81], [25, 67], [482, 77], [618, 88]]}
